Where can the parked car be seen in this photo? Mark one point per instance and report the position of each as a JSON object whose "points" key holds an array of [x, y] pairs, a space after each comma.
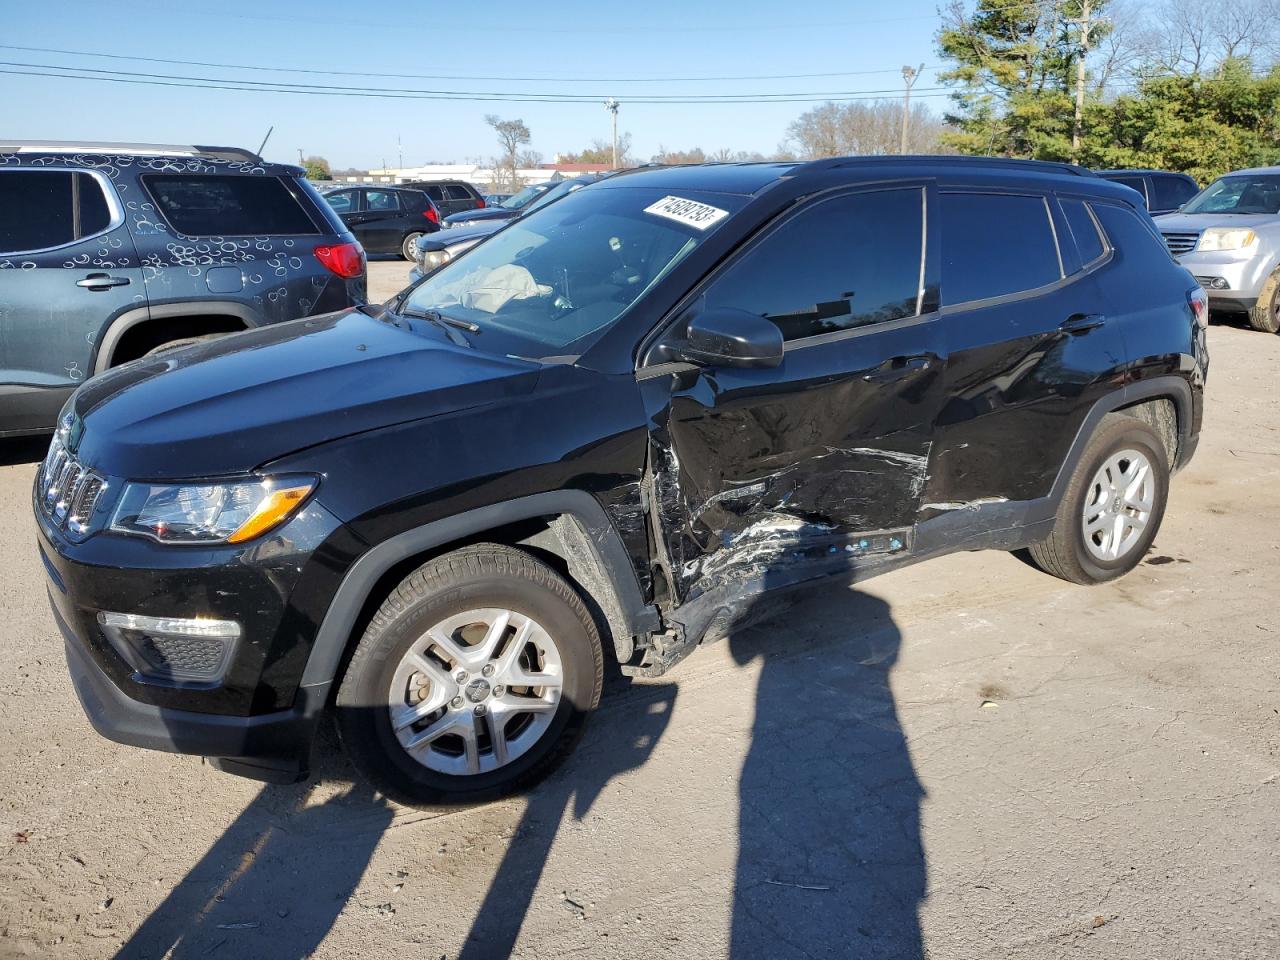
{"points": [[438, 249], [386, 219], [1229, 237], [113, 251], [611, 430], [493, 199], [509, 209], [449, 196], [1162, 191]]}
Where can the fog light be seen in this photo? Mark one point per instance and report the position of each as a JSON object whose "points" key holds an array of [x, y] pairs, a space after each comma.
{"points": [[172, 649]]}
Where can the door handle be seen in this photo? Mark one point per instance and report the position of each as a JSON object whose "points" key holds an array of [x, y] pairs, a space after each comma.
{"points": [[897, 369], [1079, 323], [101, 281]]}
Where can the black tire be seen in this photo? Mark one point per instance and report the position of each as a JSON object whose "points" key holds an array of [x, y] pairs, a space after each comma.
{"points": [[183, 342], [485, 575], [1265, 315], [1064, 553], [409, 247]]}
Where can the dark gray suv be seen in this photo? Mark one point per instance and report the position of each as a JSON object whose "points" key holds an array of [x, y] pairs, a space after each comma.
{"points": [[109, 252]]}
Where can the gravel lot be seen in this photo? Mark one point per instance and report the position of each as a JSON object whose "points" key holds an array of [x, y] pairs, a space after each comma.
{"points": [[963, 759]]}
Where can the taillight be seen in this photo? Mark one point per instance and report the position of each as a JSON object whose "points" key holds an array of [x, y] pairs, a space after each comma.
{"points": [[432, 214], [1199, 302], [344, 259], [479, 203]]}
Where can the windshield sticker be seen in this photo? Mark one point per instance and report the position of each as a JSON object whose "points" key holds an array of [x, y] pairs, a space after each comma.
{"points": [[700, 216]]}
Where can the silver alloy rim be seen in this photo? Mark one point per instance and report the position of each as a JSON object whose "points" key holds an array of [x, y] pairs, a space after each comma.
{"points": [[476, 691], [1118, 504]]}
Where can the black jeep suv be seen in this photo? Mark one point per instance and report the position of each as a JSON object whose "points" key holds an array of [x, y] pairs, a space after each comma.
{"points": [[605, 432], [110, 251]]}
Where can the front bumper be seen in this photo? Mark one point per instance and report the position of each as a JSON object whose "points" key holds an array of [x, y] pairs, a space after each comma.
{"points": [[1243, 276]]}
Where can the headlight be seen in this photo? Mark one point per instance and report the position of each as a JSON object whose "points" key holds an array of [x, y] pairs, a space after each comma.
{"points": [[435, 259], [1226, 238], [231, 512]]}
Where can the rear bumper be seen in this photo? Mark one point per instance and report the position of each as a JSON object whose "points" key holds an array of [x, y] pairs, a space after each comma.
{"points": [[271, 746]]}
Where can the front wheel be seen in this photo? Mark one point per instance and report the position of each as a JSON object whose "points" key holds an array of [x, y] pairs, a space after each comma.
{"points": [[472, 681], [409, 247], [1265, 315], [1113, 506]]}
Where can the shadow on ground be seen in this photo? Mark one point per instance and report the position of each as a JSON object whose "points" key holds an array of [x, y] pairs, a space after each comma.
{"points": [[830, 862], [15, 450]]}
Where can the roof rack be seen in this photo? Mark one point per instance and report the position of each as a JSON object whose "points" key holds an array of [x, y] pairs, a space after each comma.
{"points": [[141, 149], [937, 158]]}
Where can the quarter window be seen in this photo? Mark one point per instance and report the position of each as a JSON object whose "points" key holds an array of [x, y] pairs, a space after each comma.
{"points": [[1169, 193], [227, 206], [994, 245], [844, 263], [1134, 239], [40, 209], [1084, 230]]}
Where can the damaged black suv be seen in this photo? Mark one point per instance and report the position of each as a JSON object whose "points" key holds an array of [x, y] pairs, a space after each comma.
{"points": [[603, 433]]}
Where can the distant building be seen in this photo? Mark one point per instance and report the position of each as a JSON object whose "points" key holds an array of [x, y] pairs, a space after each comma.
{"points": [[480, 175]]}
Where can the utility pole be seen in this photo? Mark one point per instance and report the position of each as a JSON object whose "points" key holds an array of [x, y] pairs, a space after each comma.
{"points": [[612, 106], [300, 160], [400, 150], [1083, 25], [910, 75]]}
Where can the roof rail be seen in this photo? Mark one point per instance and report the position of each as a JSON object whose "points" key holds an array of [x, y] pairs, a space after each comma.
{"points": [[141, 149], [936, 158]]}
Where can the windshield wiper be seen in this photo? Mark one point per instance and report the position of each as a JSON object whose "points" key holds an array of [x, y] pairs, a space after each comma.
{"points": [[448, 324]]}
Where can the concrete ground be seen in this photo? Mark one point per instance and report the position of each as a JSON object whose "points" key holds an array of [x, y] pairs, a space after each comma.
{"points": [[966, 759]]}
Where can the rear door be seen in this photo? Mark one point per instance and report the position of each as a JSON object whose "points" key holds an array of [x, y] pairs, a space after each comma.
{"points": [[67, 268], [784, 474], [1030, 344], [382, 221], [459, 198]]}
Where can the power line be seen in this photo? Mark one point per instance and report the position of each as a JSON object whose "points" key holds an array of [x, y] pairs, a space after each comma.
{"points": [[162, 79], [442, 76]]}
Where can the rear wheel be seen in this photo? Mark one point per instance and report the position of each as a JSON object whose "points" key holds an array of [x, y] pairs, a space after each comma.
{"points": [[1113, 506], [472, 681], [1265, 315], [409, 247]]}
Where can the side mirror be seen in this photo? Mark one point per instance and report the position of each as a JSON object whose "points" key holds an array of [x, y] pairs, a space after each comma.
{"points": [[727, 337]]}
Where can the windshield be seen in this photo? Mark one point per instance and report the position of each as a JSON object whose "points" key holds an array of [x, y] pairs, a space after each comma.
{"points": [[1251, 193], [565, 273], [555, 193], [523, 197]]}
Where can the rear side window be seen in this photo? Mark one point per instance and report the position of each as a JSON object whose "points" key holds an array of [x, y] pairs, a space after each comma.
{"points": [[1170, 192], [994, 245], [381, 200], [40, 209], [1138, 243], [343, 202], [1133, 183], [847, 262], [454, 192], [1084, 230], [213, 205], [435, 193]]}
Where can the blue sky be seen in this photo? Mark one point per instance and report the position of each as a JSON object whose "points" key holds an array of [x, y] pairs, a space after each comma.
{"points": [[600, 46]]}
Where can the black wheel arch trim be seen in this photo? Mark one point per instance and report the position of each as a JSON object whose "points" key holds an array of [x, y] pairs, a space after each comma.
{"points": [[588, 536], [122, 324]]}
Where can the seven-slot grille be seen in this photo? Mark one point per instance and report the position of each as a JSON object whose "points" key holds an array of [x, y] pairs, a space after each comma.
{"points": [[1180, 243], [67, 492]]}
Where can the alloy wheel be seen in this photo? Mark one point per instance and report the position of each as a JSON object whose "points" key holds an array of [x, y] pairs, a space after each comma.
{"points": [[1118, 505]]}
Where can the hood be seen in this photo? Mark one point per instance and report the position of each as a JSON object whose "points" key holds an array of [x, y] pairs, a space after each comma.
{"points": [[488, 213], [1195, 222], [447, 238], [232, 404]]}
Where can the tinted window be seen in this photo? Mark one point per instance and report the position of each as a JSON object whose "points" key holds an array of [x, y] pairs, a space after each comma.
{"points": [[435, 193], [227, 205], [1139, 244], [457, 193], [381, 200], [993, 245], [38, 209], [343, 202], [1168, 193], [845, 263], [1133, 183], [1084, 230]]}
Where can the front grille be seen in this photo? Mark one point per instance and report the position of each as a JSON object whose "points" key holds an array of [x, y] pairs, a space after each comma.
{"points": [[1180, 243], [67, 492]]}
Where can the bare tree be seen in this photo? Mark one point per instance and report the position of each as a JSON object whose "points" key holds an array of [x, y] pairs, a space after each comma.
{"points": [[512, 135], [834, 129]]}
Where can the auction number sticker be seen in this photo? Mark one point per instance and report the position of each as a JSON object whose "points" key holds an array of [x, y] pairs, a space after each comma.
{"points": [[700, 216]]}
